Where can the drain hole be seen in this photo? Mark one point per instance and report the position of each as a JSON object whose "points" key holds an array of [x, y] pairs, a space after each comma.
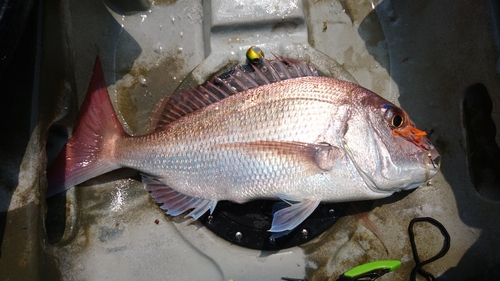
{"points": [[55, 219], [483, 152], [56, 139]]}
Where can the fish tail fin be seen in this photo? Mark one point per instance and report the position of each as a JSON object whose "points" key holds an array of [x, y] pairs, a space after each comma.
{"points": [[368, 224], [90, 150]]}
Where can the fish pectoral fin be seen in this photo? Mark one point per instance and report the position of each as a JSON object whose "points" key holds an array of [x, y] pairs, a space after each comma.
{"points": [[174, 202], [288, 215], [316, 157]]}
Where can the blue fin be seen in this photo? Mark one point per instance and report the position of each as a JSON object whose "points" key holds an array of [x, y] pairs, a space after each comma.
{"points": [[174, 202], [288, 217]]}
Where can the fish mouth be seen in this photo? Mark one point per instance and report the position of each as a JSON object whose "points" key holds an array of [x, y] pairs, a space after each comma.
{"points": [[432, 160]]}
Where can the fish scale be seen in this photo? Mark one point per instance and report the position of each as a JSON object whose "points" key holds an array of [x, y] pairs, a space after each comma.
{"points": [[273, 129], [270, 126]]}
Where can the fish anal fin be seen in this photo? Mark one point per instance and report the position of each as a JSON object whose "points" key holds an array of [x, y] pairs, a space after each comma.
{"points": [[289, 217], [174, 202], [314, 157]]}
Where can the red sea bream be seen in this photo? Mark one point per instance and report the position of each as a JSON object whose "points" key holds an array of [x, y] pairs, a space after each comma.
{"points": [[273, 129]]}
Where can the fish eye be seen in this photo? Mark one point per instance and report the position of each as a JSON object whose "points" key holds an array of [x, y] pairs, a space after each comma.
{"points": [[397, 121], [395, 117]]}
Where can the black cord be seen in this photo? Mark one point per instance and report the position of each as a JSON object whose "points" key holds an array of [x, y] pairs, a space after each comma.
{"points": [[446, 246]]}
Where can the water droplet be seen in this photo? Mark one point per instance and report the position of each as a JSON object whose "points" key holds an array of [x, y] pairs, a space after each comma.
{"points": [[158, 48], [143, 17], [143, 81], [181, 34]]}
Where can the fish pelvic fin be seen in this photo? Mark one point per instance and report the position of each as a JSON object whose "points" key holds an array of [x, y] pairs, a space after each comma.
{"points": [[289, 214], [90, 150], [174, 202]]}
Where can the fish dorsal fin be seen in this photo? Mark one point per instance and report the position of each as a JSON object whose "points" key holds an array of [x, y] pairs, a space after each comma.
{"points": [[239, 79]]}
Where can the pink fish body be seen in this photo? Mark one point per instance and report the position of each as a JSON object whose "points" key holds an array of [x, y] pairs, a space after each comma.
{"points": [[277, 131]]}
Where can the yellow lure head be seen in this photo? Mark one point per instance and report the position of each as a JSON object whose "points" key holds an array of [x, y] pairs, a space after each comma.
{"points": [[254, 54]]}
